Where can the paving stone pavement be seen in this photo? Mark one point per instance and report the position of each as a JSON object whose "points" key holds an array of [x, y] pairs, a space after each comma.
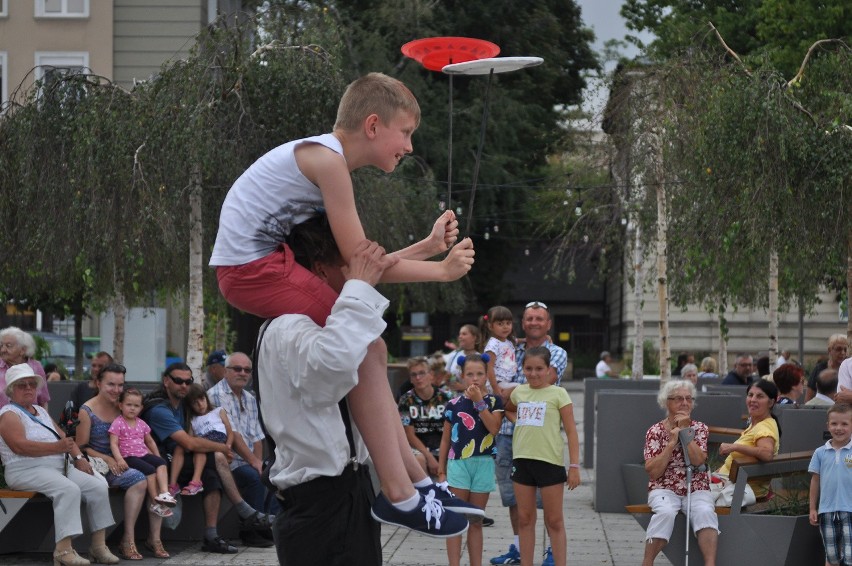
{"points": [[594, 539]]}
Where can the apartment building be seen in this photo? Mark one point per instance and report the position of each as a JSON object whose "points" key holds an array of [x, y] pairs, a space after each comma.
{"points": [[122, 40]]}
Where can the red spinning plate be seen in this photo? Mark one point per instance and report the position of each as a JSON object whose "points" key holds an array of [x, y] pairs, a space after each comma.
{"points": [[435, 53]]}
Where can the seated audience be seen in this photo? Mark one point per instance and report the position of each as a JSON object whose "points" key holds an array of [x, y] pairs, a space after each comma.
{"points": [[709, 368], [838, 347], [666, 467], [790, 380], [96, 416], [18, 347], [742, 372], [826, 384], [690, 373], [759, 440], [39, 457]]}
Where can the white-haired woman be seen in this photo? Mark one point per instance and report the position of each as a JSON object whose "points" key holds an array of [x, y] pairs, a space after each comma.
{"points": [[39, 457], [667, 489], [18, 347]]}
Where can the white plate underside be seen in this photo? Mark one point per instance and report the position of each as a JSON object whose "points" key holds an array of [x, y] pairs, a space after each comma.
{"points": [[496, 64]]}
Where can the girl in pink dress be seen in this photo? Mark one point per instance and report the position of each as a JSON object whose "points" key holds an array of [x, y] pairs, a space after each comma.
{"points": [[131, 444]]}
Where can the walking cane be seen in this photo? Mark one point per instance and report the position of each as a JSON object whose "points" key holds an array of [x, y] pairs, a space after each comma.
{"points": [[686, 436]]}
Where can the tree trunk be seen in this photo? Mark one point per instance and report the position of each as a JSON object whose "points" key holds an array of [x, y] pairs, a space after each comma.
{"points": [[723, 344], [662, 279], [773, 310], [849, 287], [78, 339], [638, 369], [195, 338], [119, 312]]}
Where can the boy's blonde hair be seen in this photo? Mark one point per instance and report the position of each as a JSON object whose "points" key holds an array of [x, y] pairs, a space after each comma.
{"points": [[378, 94]]}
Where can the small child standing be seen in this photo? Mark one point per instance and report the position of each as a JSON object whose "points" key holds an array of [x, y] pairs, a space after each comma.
{"points": [[207, 422], [830, 493], [466, 459], [538, 408], [131, 444], [496, 330]]}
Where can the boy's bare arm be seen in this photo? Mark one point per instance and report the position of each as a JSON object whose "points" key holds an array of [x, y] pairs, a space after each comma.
{"points": [[329, 172]]}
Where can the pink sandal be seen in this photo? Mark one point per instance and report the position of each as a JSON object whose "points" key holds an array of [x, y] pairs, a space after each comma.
{"points": [[192, 488]]}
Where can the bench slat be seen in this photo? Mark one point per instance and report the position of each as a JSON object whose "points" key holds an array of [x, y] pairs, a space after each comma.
{"points": [[15, 494]]}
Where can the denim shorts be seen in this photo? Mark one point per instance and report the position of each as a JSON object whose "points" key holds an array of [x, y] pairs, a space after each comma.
{"points": [[474, 474]]}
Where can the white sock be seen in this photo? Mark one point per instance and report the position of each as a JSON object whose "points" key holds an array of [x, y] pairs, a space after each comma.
{"points": [[409, 504], [517, 542], [425, 482]]}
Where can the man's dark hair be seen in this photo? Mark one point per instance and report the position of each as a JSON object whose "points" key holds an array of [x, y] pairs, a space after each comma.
{"points": [[312, 242], [176, 365], [826, 382]]}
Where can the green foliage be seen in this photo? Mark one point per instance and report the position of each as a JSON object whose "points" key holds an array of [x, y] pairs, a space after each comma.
{"points": [[525, 124], [782, 30], [650, 359]]}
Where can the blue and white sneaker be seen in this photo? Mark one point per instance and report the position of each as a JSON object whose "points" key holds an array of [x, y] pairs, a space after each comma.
{"points": [[548, 557], [511, 557], [429, 517], [450, 502]]}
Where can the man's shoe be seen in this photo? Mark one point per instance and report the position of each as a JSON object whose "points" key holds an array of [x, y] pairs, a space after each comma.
{"points": [[511, 557], [258, 521], [218, 545], [487, 522], [450, 502], [548, 557], [429, 517], [254, 540]]}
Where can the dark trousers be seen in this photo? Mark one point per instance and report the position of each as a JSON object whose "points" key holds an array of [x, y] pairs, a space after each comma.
{"points": [[251, 487], [327, 521], [146, 464]]}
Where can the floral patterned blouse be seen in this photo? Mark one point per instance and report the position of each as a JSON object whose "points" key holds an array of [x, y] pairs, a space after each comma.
{"points": [[674, 478]]}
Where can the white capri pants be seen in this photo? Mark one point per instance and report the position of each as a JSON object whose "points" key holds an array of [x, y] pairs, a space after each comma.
{"points": [[66, 494], [665, 504]]}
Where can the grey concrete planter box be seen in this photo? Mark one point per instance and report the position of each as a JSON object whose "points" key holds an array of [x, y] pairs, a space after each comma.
{"points": [[751, 539]]}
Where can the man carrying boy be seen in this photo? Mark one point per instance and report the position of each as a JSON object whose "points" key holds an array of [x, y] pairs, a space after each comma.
{"points": [[305, 374], [831, 487], [255, 263]]}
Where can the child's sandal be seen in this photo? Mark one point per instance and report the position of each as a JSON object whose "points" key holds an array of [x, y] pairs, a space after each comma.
{"points": [[166, 499], [192, 488], [160, 510]]}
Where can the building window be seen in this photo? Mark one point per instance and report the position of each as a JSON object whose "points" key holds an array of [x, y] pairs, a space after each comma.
{"points": [[52, 64], [61, 8], [4, 8], [4, 94]]}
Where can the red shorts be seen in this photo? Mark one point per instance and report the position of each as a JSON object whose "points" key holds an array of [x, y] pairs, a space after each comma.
{"points": [[274, 285]]}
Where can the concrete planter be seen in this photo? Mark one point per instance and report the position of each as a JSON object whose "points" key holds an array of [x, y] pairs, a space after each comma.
{"points": [[752, 539]]}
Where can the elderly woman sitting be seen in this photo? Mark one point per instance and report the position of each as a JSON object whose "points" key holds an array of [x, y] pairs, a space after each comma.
{"points": [[18, 347], [666, 467], [38, 457]]}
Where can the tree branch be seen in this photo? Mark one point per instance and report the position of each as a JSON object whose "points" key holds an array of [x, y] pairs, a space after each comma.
{"points": [[801, 72], [728, 49]]}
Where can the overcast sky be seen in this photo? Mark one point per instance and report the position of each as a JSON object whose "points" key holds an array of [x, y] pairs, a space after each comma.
{"points": [[603, 17]]}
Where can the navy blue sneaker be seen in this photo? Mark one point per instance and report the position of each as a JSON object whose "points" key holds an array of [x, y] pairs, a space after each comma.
{"points": [[429, 517], [548, 557], [451, 502], [511, 557]]}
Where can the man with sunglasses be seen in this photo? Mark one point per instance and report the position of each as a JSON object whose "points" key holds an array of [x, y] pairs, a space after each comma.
{"points": [[231, 394], [164, 413], [536, 324]]}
